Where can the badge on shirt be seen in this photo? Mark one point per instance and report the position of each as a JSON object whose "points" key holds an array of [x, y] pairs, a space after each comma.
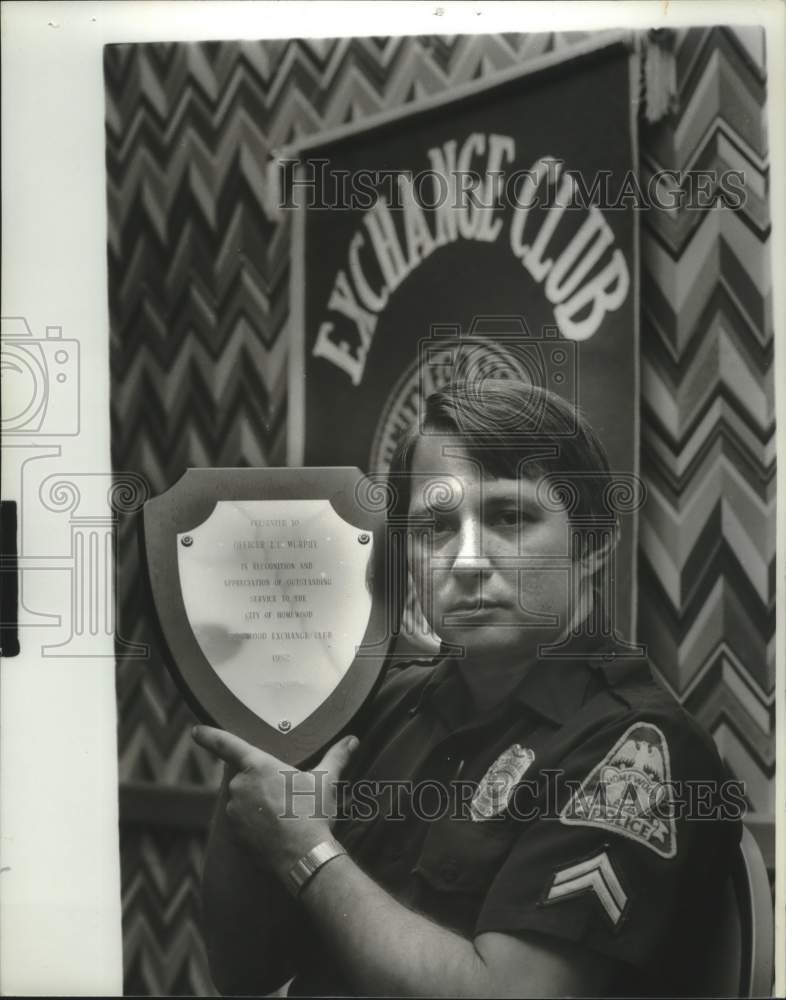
{"points": [[497, 784], [629, 792]]}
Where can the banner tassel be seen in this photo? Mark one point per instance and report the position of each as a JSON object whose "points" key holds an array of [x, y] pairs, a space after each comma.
{"points": [[272, 197], [660, 74]]}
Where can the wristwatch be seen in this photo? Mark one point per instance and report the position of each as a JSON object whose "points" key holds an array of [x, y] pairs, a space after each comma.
{"points": [[304, 870]]}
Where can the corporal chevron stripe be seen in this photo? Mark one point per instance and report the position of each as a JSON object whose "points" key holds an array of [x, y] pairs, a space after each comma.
{"points": [[198, 294], [595, 875]]}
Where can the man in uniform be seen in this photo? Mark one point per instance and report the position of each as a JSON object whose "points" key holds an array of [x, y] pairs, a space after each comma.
{"points": [[523, 816]]}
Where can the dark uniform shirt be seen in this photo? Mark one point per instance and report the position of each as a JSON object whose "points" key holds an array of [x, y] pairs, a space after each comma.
{"points": [[589, 807]]}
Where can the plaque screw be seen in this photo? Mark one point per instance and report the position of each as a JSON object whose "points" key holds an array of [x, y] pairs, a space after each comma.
{"points": [[187, 540], [285, 725], [364, 539]]}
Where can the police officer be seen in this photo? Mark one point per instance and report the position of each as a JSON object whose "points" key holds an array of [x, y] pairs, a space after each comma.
{"points": [[530, 814]]}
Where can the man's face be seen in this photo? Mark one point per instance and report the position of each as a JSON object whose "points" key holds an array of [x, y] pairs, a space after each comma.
{"points": [[476, 586]]}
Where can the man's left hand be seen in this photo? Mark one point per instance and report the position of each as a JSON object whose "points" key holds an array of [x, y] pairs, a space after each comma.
{"points": [[277, 812]]}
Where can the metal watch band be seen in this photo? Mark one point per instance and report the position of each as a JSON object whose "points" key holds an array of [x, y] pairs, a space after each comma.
{"points": [[304, 870]]}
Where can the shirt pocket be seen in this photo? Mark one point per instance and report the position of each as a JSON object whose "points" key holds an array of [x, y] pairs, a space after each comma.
{"points": [[462, 856]]}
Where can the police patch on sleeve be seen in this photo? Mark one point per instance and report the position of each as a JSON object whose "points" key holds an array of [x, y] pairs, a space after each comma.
{"points": [[629, 792], [497, 784]]}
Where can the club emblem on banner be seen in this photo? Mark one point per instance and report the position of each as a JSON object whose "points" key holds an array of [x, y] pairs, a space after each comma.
{"points": [[497, 784], [629, 792], [494, 348]]}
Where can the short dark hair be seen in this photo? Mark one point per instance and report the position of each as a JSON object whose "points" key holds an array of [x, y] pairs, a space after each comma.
{"points": [[509, 425]]}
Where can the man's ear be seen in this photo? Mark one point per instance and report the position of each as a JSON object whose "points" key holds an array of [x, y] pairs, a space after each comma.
{"points": [[596, 556], [414, 623]]}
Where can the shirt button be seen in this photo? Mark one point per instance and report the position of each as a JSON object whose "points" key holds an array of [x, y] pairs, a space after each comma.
{"points": [[449, 870]]}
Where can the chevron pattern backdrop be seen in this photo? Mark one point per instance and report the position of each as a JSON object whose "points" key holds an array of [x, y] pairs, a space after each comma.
{"points": [[198, 292]]}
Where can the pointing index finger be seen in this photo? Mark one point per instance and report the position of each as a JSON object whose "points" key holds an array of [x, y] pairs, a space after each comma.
{"points": [[229, 748]]}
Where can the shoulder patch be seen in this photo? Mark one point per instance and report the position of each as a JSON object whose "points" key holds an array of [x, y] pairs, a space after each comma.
{"points": [[629, 792]]}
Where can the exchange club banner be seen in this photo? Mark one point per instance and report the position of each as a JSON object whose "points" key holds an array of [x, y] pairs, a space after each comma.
{"points": [[506, 216]]}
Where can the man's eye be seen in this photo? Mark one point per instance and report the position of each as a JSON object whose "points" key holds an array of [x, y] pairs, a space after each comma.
{"points": [[441, 524], [511, 518]]}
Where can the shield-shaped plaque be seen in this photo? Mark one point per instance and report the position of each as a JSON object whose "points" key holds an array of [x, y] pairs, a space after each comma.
{"points": [[268, 586]]}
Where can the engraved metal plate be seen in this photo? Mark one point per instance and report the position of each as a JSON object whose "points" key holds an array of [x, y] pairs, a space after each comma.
{"points": [[269, 588], [277, 594]]}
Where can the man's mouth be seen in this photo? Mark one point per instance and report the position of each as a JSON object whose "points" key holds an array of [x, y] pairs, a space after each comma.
{"points": [[473, 607]]}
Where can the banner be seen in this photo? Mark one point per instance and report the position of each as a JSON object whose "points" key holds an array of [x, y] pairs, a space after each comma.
{"points": [[505, 216]]}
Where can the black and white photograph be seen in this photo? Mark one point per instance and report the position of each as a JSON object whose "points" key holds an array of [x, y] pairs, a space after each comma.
{"points": [[390, 530]]}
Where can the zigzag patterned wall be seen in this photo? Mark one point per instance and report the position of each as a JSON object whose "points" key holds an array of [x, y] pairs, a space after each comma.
{"points": [[707, 540], [198, 290]]}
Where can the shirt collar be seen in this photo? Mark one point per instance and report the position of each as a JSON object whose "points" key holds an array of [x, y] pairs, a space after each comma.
{"points": [[619, 669], [446, 693], [555, 688]]}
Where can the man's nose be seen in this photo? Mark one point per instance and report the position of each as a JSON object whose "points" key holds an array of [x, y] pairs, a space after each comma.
{"points": [[469, 553]]}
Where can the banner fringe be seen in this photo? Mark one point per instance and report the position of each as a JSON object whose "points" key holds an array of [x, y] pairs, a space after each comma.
{"points": [[272, 195], [660, 74]]}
